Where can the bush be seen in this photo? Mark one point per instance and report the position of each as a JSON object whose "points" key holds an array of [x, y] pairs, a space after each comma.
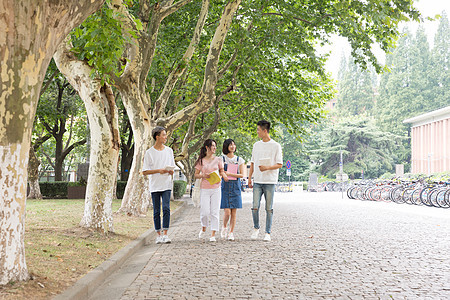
{"points": [[179, 188], [120, 189], [305, 186], [57, 189]]}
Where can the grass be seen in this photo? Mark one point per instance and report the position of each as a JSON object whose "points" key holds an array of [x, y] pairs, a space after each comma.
{"points": [[59, 252]]}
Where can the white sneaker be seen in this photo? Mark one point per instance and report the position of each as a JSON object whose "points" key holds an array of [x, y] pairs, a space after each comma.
{"points": [[231, 236], [267, 237], [224, 232], [201, 234], [159, 240], [166, 240], [212, 239], [255, 234]]}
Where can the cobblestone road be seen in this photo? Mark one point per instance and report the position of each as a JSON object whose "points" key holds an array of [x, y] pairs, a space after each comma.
{"points": [[322, 247]]}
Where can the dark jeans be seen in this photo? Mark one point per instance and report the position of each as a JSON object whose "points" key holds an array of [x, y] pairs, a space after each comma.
{"points": [[156, 199]]}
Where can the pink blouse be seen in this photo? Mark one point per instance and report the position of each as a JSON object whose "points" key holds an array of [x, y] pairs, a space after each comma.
{"points": [[206, 168]]}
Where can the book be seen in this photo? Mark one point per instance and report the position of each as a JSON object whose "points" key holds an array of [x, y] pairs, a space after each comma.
{"points": [[264, 161], [232, 168], [214, 177]]}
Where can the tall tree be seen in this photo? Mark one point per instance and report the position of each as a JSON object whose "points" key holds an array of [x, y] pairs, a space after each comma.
{"points": [[105, 141], [440, 70], [356, 90], [365, 148], [31, 31], [57, 113]]}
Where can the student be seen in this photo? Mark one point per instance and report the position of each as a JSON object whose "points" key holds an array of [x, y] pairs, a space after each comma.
{"points": [[206, 164], [156, 159], [266, 161], [231, 190]]}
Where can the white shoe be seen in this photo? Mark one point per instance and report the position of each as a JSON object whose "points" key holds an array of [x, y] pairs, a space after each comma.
{"points": [[231, 236], [159, 239], [212, 239], [166, 240], [201, 234], [267, 237], [255, 234], [224, 232]]}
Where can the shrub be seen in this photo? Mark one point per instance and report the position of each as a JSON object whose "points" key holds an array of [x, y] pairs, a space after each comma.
{"points": [[57, 189], [179, 188], [305, 186]]}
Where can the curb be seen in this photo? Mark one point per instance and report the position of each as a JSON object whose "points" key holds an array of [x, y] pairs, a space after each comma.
{"points": [[86, 285]]}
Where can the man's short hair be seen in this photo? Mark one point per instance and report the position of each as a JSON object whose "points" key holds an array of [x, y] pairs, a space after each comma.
{"points": [[157, 131], [263, 124]]}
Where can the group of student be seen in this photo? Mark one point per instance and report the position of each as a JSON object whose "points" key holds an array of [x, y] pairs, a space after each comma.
{"points": [[220, 186]]}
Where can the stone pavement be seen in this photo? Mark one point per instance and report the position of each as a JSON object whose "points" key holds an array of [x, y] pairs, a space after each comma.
{"points": [[322, 247]]}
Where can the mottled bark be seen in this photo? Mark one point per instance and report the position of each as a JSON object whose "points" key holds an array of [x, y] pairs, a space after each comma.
{"points": [[30, 32], [136, 198], [33, 176], [105, 141]]}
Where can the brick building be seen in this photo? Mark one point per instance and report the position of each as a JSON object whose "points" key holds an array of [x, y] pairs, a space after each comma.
{"points": [[430, 142]]}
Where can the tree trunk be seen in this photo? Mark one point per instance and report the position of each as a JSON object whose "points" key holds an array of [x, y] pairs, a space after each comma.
{"points": [[31, 31], [105, 144], [33, 176], [136, 198]]}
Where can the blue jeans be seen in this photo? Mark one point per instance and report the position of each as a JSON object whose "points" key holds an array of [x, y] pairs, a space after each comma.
{"points": [[156, 199], [258, 190]]}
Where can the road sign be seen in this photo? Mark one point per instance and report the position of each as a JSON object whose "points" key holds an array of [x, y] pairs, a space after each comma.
{"points": [[288, 165], [288, 172]]}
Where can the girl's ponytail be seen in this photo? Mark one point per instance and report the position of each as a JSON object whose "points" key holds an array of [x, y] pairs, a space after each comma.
{"points": [[203, 150]]}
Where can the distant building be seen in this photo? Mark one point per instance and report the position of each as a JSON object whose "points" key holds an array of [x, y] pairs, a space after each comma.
{"points": [[430, 142]]}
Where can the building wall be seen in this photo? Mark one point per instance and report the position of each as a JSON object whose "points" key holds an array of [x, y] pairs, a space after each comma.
{"points": [[431, 146]]}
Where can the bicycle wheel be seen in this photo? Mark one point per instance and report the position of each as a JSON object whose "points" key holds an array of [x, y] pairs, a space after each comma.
{"points": [[385, 192], [440, 198], [396, 195], [349, 192], [375, 194], [432, 197], [415, 196], [447, 197], [406, 195], [424, 196]]}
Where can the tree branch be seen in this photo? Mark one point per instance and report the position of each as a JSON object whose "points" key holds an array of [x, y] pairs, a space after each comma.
{"points": [[206, 96], [71, 147], [173, 8], [161, 103], [49, 81]]}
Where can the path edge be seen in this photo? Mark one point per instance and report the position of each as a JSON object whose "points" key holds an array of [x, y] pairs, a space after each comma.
{"points": [[85, 287]]}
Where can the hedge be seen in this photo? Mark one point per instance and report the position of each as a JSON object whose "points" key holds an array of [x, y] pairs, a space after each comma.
{"points": [[179, 188], [57, 189]]}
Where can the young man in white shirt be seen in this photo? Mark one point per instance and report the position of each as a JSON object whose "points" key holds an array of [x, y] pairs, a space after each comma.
{"points": [[266, 161], [157, 159]]}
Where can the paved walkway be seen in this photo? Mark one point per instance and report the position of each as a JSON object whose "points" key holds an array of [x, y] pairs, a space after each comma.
{"points": [[322, 247]]}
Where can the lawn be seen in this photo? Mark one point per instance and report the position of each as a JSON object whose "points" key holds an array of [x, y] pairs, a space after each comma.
{"points": [[59, 252]]}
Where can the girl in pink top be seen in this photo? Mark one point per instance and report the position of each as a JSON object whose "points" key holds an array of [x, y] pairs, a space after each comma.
{"points": [[210, 194]]}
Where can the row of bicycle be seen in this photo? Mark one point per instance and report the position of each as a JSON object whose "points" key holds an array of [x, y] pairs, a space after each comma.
{"points": [[417, 192]]}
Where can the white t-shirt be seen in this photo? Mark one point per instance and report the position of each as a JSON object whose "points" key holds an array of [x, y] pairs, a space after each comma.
{"points": [[233, 160], [159, 159], [270, 150]]}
